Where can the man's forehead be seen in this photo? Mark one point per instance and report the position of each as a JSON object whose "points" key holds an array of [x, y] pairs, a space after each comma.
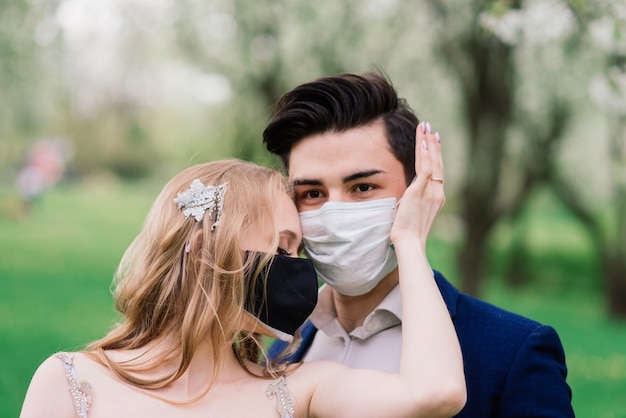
{"points": [[335, 156]]}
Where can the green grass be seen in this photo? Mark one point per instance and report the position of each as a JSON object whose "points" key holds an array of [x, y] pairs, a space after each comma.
{"points": [[56, 267], [57, 263]]}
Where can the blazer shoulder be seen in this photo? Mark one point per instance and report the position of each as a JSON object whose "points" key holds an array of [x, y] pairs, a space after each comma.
{"points": [[466, 308]]}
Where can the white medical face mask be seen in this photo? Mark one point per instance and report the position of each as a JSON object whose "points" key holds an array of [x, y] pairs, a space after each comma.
{"points": [[349, 243]]}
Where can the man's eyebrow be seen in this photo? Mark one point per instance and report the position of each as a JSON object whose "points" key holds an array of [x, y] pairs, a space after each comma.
{"points": [[306, 182], [346, 179], [360, 175]]}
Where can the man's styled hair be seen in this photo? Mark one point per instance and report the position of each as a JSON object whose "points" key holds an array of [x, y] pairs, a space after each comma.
{"points": [[338, 103]]}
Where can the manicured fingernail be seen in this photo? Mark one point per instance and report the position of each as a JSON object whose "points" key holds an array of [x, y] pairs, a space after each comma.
{"points": [[423, 127], [424, 145], [437, 138], [428, 128]]}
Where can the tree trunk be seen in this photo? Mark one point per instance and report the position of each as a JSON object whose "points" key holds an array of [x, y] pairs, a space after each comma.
{"points": [[471, 259], [615, 273], [488, 92], [614, 254], [516, 274]]}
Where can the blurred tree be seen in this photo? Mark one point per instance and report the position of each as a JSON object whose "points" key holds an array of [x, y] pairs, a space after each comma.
{"points": [[23, 102], [267, 47], [513, 130], [57, 79], [107, 110], [605, 216], [185, 74], [143, 79], [521, 43], [600, 209]]}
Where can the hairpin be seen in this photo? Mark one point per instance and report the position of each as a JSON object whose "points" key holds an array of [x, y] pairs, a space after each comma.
{"points": [[198, 198]]}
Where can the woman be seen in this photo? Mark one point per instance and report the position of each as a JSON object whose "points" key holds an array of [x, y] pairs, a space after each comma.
{"points": [[214, 269]]}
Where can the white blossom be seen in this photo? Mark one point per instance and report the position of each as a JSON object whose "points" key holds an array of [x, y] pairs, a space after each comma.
{"points": [[537, 22], [607, 33], [609, 90]]}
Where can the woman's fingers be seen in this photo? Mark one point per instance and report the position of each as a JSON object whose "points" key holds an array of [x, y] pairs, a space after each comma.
{"points": [[428, 157], [433, 142], [423, 157], [436, 158], [425, 195]]}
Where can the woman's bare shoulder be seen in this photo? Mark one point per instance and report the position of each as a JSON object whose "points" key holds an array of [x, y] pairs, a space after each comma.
{"points": [[48, 393], [52, 371]]}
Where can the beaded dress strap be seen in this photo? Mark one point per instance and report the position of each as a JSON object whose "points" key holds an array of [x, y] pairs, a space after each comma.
{"points": [[279, 389], [80, 391]]}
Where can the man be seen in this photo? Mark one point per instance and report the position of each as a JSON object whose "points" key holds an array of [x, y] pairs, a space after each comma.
{"points": [[348, 142]]}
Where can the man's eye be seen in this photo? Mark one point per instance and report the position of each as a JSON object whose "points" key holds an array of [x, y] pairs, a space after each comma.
{"points": [[364, 188], [282, 251], [312, 194]]}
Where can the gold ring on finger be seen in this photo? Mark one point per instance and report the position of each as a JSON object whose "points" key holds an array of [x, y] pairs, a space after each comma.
{"points": [[437, 179]]}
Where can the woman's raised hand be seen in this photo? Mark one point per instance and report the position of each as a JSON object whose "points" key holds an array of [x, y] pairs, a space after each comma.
{"points": [[424, 197]]}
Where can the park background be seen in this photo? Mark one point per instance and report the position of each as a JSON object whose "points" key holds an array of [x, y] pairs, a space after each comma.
{"points": [[118, 95]]}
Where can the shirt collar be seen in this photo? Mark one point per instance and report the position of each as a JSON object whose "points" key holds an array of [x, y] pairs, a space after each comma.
{"points": [[387, 314]]}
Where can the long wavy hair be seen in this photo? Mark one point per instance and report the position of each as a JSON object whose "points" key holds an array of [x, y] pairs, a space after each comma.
{"points": [[183, 283]]}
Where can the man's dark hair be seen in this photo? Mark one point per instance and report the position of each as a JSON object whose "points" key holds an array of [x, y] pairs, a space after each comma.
{"points": [[339, 103]]}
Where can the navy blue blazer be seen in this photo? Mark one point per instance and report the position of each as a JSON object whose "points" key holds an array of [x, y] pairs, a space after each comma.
{"points": [[514, 367]]}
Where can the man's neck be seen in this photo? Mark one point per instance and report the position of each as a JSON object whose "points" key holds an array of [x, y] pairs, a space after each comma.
{"points": [[352, 310]]}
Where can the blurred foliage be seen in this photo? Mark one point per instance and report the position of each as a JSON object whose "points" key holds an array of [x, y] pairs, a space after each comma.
{"points": [[19, 70], [146, 87]]}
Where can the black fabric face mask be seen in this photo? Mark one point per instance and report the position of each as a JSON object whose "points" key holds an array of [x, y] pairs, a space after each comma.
{"points": [[288, 298]]}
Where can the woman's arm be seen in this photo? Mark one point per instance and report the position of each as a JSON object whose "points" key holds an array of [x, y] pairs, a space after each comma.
{"points": [[430, 382]]}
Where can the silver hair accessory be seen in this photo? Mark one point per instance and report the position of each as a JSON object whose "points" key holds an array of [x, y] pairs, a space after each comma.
{"points": [[198, 198]]}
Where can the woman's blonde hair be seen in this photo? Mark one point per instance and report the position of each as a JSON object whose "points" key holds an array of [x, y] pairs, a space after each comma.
{"points": [[182, 282]]}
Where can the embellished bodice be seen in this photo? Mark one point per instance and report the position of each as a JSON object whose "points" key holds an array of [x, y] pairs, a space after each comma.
{"points": [[80, 391], [279, 389]]}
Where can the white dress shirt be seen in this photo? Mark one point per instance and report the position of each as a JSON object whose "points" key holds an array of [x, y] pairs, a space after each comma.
{"points": [[374, 345]]}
